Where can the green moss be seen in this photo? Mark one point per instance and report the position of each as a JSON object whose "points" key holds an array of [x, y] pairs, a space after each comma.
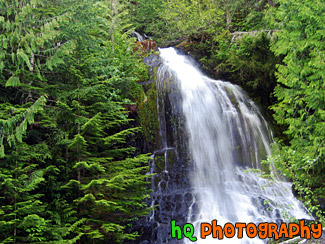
{"points": [[171, 159], [159, 162], [148, 116]]}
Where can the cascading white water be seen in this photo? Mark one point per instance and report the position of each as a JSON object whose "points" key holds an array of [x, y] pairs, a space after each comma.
{"points": [[227, 134]]}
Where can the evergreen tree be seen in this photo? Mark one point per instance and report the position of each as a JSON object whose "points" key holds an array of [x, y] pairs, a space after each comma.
{"points": [[69, 172], [22, 211], [300, 95], [30, 49]]}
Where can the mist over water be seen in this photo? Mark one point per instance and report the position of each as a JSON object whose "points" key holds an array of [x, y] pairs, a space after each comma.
{"points": [[226, 135]]}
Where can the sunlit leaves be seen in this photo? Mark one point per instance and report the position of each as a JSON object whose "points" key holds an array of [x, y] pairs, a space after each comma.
{"points": [[68, 172], [300, 93], [13, 81], [13, 129], [187, 18], [29, 36]]}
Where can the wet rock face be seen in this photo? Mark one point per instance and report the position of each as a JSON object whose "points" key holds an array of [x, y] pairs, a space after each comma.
{"points": [[147, 107], [171, 196], [152, 61], [170, 114]]}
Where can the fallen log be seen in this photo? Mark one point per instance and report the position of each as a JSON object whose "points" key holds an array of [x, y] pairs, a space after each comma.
{"points": [[239, 34]]}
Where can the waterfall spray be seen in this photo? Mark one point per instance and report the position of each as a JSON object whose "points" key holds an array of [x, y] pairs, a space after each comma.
{"points": [[226, 137]]}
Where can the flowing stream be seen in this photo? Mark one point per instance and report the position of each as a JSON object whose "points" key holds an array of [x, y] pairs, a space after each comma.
{"points": [[226, 137]]}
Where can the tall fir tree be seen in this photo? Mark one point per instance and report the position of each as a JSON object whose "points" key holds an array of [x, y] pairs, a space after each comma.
{"points": [[68, 172], [300, 95]]}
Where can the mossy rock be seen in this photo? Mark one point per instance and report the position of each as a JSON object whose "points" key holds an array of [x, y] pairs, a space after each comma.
{"points": [[148, 116]]}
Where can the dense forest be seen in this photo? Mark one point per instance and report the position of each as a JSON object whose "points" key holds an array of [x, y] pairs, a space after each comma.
{"points": [[77, 126]]}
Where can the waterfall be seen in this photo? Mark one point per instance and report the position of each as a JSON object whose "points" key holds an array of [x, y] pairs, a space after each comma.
{"points": [[222, 136], [139, 37]]}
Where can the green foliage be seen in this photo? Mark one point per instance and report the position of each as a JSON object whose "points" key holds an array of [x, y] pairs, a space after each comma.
{"points": [[248, 62], [303, 171], [70, 172], [27, 34], [188, 18], [148, 116], [14, 128], [185, 19], [174, 21], [300, 94], [144, 12], [23, 218]]}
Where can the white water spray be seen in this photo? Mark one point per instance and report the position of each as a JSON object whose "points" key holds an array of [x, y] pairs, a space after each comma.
{"points": [[227, 135]]}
